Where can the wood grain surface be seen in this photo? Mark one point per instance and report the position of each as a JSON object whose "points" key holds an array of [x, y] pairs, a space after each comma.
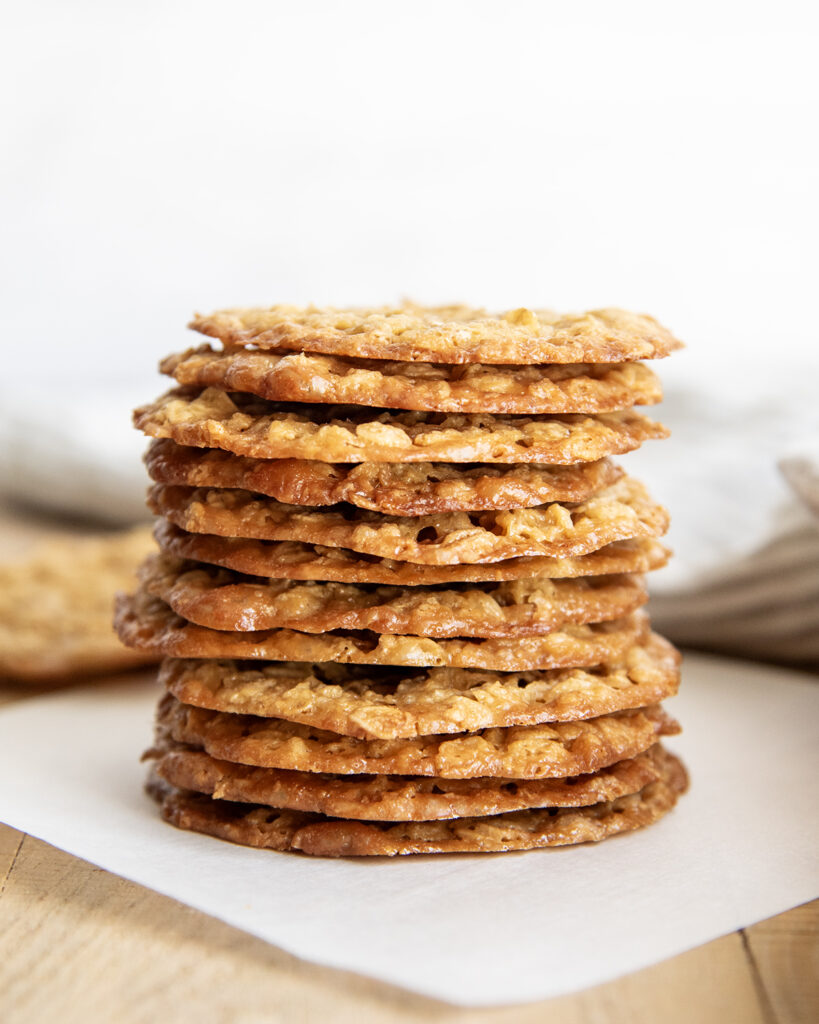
{"points": [[80, 944]]}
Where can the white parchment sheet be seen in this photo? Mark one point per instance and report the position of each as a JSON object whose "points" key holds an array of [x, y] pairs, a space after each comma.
{"points": [[474, 930]]}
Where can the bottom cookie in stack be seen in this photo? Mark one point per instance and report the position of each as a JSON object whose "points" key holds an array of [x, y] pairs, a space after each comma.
{"points": [[335, 815]]}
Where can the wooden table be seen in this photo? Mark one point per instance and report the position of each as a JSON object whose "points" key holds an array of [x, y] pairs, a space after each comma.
{"points": [[80, 944]]}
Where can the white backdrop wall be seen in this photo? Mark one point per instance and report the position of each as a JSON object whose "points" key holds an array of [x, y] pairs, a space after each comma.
{"points": [[162, 157]]}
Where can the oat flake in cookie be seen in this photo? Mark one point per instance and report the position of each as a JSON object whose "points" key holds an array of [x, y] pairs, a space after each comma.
{"points": [[399, 593]]}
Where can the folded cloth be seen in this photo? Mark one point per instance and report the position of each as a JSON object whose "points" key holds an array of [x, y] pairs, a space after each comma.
{"points": [[740, 474], [742, 482], [73, 452], [765, 605], [803, 475]]}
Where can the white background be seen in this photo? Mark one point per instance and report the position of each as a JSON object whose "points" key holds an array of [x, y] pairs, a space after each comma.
{"points": [[165, 157]]}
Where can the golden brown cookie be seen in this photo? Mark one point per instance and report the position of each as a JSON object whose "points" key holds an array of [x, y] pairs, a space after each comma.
{"points": [[291, 560], [56, 606], [398, 797], [396, 488], [337, 837], [623, 511], [446, 334], [555, 750], [148, 624], [222, 599], [434, 387], [395, 703], [250, 426]]}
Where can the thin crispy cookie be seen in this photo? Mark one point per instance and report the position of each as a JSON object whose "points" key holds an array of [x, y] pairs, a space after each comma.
{"points": [[482, 388], [55, 608], [400, 703], [397, 797], [447, 334], [250, 426], [396, 488], [291, 560], [557, 750], [324, 837], [221, 599], [148, 624], [621, 512]]}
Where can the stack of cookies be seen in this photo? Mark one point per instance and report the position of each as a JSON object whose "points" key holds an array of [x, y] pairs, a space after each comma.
{"points": [[400, 581]]}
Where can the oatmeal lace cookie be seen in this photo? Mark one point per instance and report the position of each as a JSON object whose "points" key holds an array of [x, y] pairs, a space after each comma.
{"points": [[553, 750], [621, 512], [324, 837], [221, 599], [55, 608], [296, 561], [434, 387], [396, 488], [395, 703], [250, 426], [148, 624], [445, 334], [397, 797]]}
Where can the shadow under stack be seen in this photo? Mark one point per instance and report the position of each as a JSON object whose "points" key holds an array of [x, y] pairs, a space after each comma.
{"points": [[400, 582]]}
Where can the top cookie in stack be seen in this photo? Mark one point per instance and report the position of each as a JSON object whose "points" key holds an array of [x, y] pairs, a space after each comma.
{"points": [[399, 585]]}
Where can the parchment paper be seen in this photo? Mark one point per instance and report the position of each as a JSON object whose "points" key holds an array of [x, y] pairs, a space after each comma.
{"points": [[473, 930]]}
